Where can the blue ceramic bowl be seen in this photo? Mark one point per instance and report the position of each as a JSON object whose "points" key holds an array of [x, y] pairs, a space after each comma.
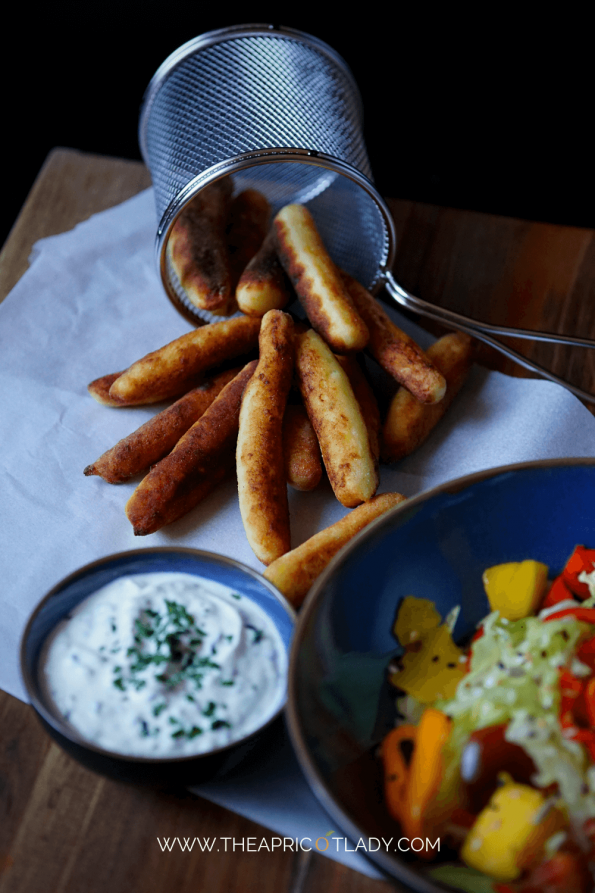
{"points": [[64, 597], [435, 546]]}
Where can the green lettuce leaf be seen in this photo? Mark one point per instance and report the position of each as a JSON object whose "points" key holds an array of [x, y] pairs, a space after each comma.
{"points": [[461, 878]]}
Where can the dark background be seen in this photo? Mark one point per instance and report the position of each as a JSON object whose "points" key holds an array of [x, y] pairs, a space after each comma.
{"points": [[484, 110]]}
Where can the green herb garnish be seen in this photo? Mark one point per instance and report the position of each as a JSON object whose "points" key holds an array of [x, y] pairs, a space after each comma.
{"points": [[258, 633], [169, 642], [185, 733]]}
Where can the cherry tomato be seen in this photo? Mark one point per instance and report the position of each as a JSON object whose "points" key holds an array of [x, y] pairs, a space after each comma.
{"points": [[485, 755]]}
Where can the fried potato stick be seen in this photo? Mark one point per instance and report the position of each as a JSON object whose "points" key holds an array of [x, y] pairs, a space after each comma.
{"points": [[303, 464], [197, 249], [409, 422], [247, 227], [396, 352], [294, 573], [366, 399], [337, 419], [157, 437], [202, 458], [99, 389], [263, 284], [262, 487], [317, 281], [173, 369]]}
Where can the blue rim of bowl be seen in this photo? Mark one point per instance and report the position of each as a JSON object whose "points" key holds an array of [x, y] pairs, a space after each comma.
{"points": [[382, 861], [59, 725]]}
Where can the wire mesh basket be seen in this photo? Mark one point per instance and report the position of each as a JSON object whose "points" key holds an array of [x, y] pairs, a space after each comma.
{"points": [[280, 110]]}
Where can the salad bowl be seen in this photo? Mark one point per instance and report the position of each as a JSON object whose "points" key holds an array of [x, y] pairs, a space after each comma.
{"points": [[435, 546]]}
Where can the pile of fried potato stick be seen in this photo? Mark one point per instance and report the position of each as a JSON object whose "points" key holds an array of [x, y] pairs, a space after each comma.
{"points": [[303, 408]]}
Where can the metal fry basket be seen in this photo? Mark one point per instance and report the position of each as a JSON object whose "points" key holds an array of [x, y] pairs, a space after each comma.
{"points": [[280, 110]]}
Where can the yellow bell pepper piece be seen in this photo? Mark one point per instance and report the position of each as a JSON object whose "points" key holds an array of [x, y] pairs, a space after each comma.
{"points": [[434, 671], [416, 618], [509, 834], [515, 589]]}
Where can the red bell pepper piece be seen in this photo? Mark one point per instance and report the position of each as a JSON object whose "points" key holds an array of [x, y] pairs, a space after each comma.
{"points": [[559, 592], [570, 690], [589, 832], [589, 698], [586, 654], [587, 615], [577, 709], [582, 560]]}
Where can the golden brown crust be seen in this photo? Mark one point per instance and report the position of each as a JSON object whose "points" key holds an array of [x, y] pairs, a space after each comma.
{"points": [[337, 419], [157, 437], [197, 249], [202, 458], [99, 389], [409, 422], [367, 402], [263, 285], [396, 352], [262, 488], [294, 573], [303, 464], [317, 281], [247, 227], [174, 368]]}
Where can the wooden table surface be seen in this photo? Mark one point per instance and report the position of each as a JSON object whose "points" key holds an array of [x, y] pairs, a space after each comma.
{"points": [[65, 830]]}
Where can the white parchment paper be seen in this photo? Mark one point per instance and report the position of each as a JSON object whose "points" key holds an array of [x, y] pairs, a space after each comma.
{"points": [[92, 303]]}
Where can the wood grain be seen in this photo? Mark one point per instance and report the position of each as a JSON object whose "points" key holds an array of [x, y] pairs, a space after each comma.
{"points": [[63, 829], [506, 272]]}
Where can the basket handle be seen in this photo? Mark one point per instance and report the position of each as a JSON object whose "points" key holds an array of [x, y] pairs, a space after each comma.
{"points": [[484, 331]]}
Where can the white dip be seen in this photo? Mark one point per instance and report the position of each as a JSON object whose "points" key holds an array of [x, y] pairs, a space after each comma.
{"points": [[165, 664]]}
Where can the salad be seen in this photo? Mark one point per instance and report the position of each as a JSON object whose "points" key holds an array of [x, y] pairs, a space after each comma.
{"points": [[495, 747]]}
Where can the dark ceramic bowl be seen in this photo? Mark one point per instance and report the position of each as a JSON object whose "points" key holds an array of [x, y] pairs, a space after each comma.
{"points": [[435, 546], [64, 597]]}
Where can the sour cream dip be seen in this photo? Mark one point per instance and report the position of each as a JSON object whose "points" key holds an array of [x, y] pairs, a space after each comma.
{"points": [[165, 665]]}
